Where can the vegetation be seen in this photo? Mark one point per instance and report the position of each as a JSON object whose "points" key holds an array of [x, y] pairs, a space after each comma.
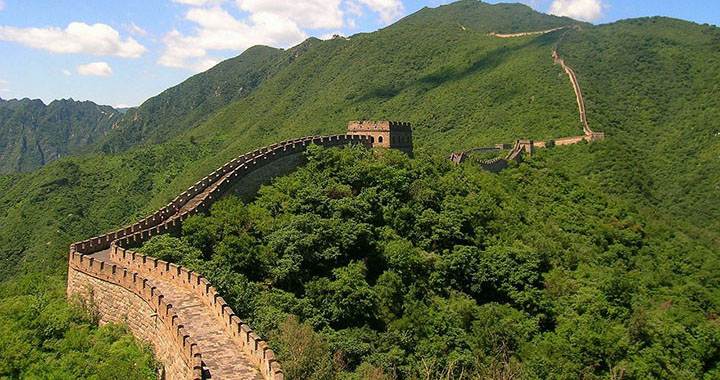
{"points": [[412, 269], [594, 260], [33, 134], [44, 337], [651, 85]]}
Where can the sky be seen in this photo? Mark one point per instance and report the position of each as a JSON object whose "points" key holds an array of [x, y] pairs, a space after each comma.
{"points": [[121, 52]]}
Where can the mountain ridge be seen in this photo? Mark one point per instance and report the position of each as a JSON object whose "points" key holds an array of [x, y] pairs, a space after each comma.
{"points": [[460, 89], [33, 133]]}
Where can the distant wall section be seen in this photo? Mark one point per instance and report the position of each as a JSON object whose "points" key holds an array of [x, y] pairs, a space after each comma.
{"points": [[386, 134]]}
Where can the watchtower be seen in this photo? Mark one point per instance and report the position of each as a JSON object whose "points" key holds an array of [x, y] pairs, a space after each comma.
{"points": [[386, 134]]}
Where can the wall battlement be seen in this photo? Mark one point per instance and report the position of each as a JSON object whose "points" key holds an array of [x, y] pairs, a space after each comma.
{"points": [[386, 134], [140, 291]]}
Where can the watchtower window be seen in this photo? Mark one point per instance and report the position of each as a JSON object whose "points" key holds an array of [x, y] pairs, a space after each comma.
{"points": [[379, 139], [372, 139]]}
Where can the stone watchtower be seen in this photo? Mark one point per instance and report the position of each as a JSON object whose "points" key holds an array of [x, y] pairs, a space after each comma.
{"points": [[386, 134]]}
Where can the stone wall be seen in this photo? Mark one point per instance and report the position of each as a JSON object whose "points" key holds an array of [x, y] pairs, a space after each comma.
{"points": [[112, 287], [569, 140], [386, 134], [121, 296], [528, 146], [247, 187]]}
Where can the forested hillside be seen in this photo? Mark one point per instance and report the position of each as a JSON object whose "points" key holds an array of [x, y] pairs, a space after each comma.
{"points": [[188, 104], [33, 134], [651, 84], [615, 241], [420, 269], [425, 49]]}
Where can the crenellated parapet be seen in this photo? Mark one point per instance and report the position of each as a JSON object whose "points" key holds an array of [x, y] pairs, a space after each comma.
{"points": [[386, 134], [154, 297], [163, 327]]}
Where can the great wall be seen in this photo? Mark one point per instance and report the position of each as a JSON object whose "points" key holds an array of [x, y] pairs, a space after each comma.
{"points": [[194, 332], [528, 146]]}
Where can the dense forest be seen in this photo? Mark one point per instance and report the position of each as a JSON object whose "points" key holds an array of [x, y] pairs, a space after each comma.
{"points": [[373, 263], [587, 261]]}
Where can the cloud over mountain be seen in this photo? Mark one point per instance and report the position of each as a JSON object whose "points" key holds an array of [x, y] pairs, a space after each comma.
{"points": [[282, 23], [586, 10], [99, 69], [78, 37]]}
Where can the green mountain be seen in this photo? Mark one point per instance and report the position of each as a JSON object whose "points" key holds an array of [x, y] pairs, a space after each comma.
{"points": [[33, 134], [191, 103], [649, 84], [188, 104]]}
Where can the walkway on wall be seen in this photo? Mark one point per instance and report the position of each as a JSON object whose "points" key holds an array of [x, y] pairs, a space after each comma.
{"points": [[222, 357], [523, 34], [209, 331]]}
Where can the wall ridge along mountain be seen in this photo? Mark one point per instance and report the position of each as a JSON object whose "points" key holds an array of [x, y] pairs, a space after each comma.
{"points": [[528, 146], [195, 333]]}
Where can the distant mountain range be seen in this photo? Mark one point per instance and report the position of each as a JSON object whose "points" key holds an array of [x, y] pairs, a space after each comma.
{"points": [[651, 84], [33, 134]]}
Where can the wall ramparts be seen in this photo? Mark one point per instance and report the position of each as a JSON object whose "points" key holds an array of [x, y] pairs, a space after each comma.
{"points": [[177, 343], [523, 34], [137, 268], [528, 146], [570, 140]]}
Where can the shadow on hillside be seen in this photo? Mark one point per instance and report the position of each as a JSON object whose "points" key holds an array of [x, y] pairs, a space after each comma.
{"points": [[489, 61]]}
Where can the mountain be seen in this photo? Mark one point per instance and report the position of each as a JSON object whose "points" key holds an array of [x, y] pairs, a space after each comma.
{"points": [[33, 134], [460, 87], [650, 84], [188, 104], [191, 103]]}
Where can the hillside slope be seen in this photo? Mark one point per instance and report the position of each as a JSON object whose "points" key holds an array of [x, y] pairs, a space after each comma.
{"points": [[33, 134], [648, 84], [188, 104], [459, 88], [192, 102], [651, 84]]}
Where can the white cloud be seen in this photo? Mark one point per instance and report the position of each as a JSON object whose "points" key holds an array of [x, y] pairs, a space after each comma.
{"points": [[389, 10], [218, 30], [99, 69], [78, 37], [2, 5], [4, 89], [3, 81], [279, 23], [66, 72], [136, 30], [313, 14], [586, 10], [353, 8]]}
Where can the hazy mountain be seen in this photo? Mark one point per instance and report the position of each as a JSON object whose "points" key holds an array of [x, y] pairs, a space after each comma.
{"points": [[645, 199], [33, 134]]}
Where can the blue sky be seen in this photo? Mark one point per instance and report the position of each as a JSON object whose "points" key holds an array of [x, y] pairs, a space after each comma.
{"points": [[120, 52]]}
